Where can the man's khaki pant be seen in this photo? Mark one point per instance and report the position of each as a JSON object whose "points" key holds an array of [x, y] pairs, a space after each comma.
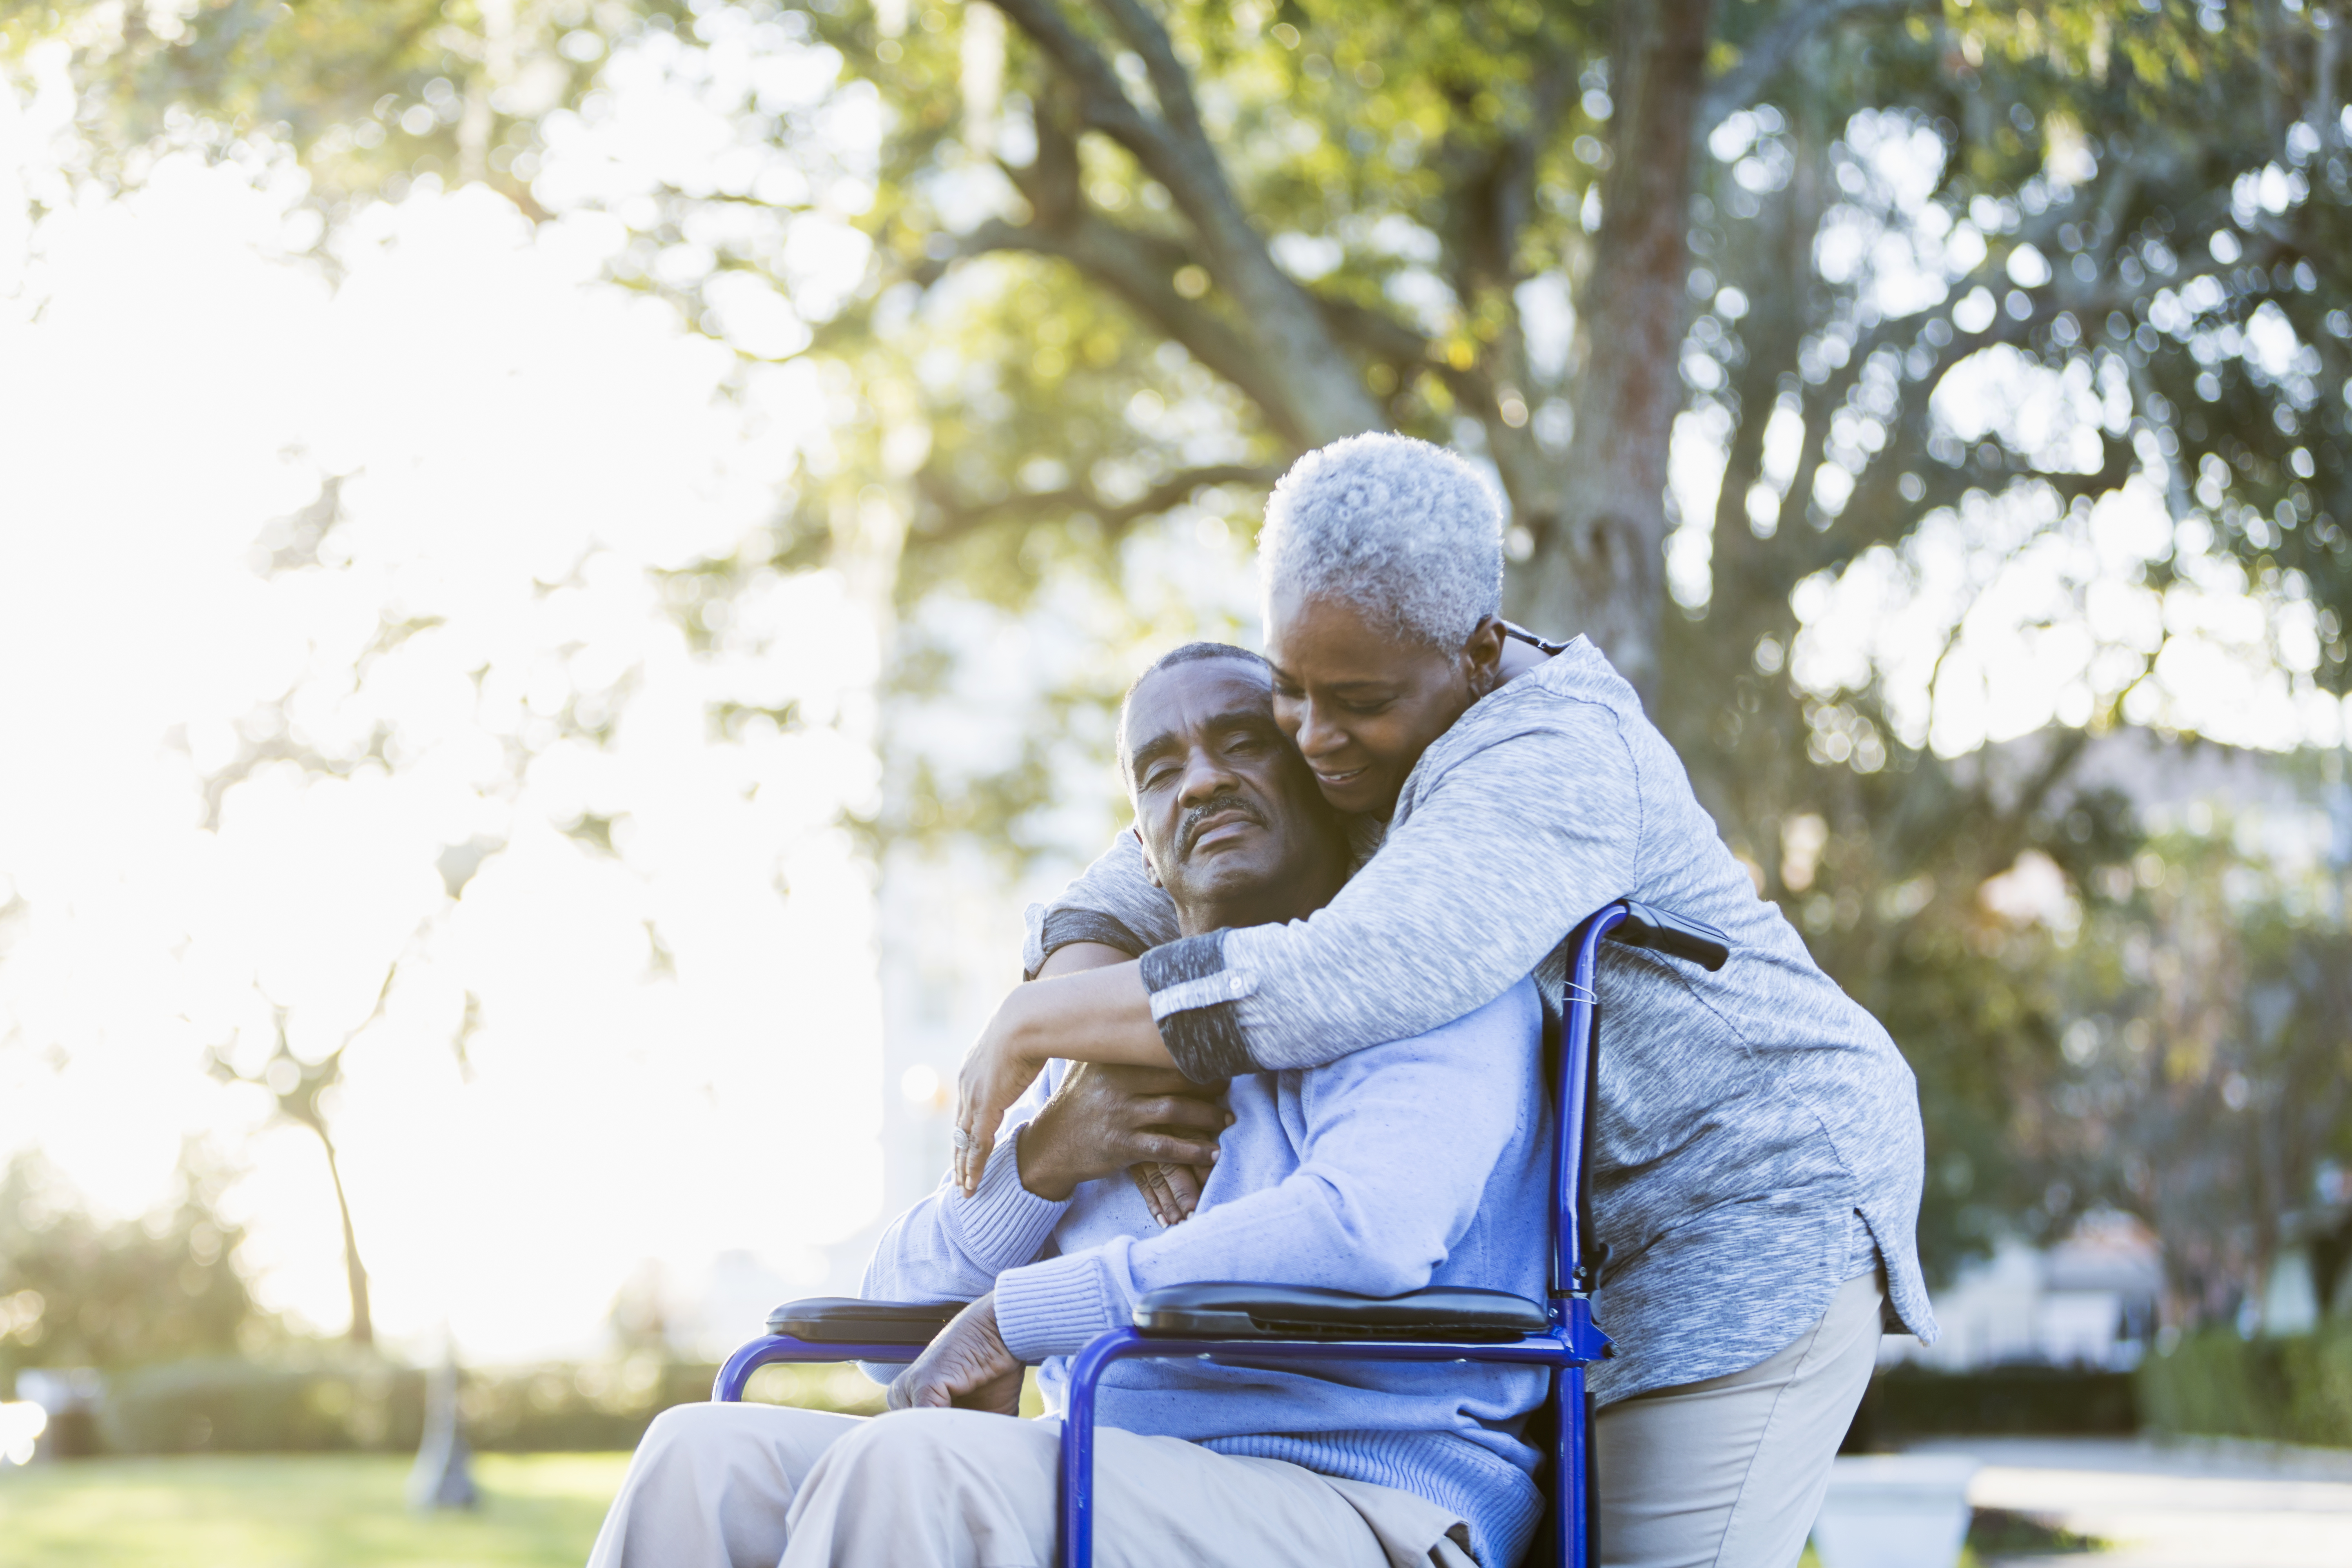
{"points": [[759, 1486], [1727, 1473]]}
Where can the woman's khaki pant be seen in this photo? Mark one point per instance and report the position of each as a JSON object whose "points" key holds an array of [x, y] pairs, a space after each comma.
{"points": [[1728, 1473]]}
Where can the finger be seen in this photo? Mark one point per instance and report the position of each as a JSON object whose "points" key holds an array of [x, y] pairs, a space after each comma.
{"points": [[1147, 1181], [1164, 1207], [970, 1150], [1179, 1112], [955, 1143], [1184, 1185], [1171, 1150]]}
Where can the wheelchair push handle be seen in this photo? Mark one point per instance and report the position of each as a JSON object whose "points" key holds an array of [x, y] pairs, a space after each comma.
{"points": [[1679, 936]]}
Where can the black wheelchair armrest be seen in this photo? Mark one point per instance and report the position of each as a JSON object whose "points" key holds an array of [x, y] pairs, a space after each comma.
{"points": [[1226, 1310], [844, 1320], [1662, 930]]}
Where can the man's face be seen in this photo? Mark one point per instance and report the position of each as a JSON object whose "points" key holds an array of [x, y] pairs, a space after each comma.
{"points": [[1228, 814]]}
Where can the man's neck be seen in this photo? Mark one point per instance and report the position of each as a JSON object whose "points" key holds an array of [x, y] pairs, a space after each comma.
{"points": [[1294, 899]]}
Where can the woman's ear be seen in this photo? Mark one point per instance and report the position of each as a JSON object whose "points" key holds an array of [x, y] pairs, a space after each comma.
{"points": [[1482, 656]]}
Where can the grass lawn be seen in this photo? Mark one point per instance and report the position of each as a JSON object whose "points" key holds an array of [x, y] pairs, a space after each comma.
{"points": [[299, 1511], [310, 1511]]}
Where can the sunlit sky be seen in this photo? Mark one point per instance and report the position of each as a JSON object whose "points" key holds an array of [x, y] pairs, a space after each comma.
{"points": [[671, 1046], [523, 451]]}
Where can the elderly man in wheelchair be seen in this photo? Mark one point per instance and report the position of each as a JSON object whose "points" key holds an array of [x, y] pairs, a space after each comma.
{"points": [[1422, 1161]]}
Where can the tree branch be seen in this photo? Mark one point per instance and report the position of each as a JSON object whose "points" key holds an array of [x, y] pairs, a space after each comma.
{"points": [[1140, 270], [967, 517], [1307, 386], [1768, 53], [1170, 82], [1372, 332], [1177, 154], [1103, 104]]}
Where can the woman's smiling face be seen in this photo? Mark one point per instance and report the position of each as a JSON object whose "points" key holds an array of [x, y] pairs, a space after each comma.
{"points": [[1363, 701]]}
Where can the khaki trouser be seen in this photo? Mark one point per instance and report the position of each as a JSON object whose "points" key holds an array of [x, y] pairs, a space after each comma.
{"points": [[1729, 1473], [759, 1486]]}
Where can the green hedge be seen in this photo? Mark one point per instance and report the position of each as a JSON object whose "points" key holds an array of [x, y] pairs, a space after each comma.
{"points": [[2295, 1390], [2287, 1390], [1906, 1402], [229, 1406]]}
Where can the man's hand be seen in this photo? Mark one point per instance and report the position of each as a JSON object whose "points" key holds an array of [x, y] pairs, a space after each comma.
{"points": [[1106, 1119], [1170, 1192], [966, 1368]]}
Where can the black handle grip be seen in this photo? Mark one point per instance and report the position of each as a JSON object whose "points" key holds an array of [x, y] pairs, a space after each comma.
{"points": [[1662, 930]]}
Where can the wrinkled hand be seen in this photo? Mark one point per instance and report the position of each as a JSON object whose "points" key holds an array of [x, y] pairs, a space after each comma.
{"points": [[1171, 1192], [967, 1367], [1106, 1119]]}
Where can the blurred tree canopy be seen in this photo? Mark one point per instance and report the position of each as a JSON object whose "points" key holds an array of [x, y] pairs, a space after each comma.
{"points": [[2209, 1065], [1114, 262], [77, 1291]]}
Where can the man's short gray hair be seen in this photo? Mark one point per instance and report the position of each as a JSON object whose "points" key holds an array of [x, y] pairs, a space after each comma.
{"points": [[1404, 531]]}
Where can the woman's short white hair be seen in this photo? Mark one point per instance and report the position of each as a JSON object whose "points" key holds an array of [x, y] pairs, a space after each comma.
{"points": [[1406, 531]]}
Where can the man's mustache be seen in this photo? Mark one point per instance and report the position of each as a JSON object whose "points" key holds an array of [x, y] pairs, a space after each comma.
{"points": [[1216, 806]]}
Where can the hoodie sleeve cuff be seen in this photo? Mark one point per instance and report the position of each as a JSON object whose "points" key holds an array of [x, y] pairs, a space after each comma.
{"points": [[1059, 928], [1193, 999], [1002, 1224], [1057, 1307]]}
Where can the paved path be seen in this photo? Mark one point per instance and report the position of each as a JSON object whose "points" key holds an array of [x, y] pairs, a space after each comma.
{"points": [[2178, 1503]]}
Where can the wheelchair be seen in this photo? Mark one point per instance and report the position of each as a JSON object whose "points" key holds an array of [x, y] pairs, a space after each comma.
{"points": [[1278, 1323]]}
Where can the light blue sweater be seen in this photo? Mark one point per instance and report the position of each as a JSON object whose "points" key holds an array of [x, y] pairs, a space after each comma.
{"points": [[1424, 1160]]}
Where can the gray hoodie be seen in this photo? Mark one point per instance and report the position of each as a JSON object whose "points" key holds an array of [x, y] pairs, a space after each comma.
{"points": [[1759, 1139]]}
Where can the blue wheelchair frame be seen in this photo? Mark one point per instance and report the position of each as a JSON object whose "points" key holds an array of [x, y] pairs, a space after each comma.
{"points": [[1571, 1342]]}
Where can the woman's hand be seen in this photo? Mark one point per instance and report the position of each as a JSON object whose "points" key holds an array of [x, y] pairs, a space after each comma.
{"points": [[967, 1367], [1101, 1014], [996, 1071], [1104, 1119]]}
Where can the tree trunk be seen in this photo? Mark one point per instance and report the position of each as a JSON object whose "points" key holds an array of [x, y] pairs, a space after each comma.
{"points": [[362, 1330], [1600, 567]]}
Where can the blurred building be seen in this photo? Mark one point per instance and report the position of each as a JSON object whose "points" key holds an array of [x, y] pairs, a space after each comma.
{"points": [[2090, 1300]]}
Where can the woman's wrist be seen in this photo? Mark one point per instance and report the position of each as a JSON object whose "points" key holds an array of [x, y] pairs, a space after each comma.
{"points": [[1101, 1014], [1019, 1023]]}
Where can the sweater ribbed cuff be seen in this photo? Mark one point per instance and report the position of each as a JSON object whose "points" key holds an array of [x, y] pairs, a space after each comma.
{"points": [[1192, 1000], [1002, 1224], [1055, 1307]]}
